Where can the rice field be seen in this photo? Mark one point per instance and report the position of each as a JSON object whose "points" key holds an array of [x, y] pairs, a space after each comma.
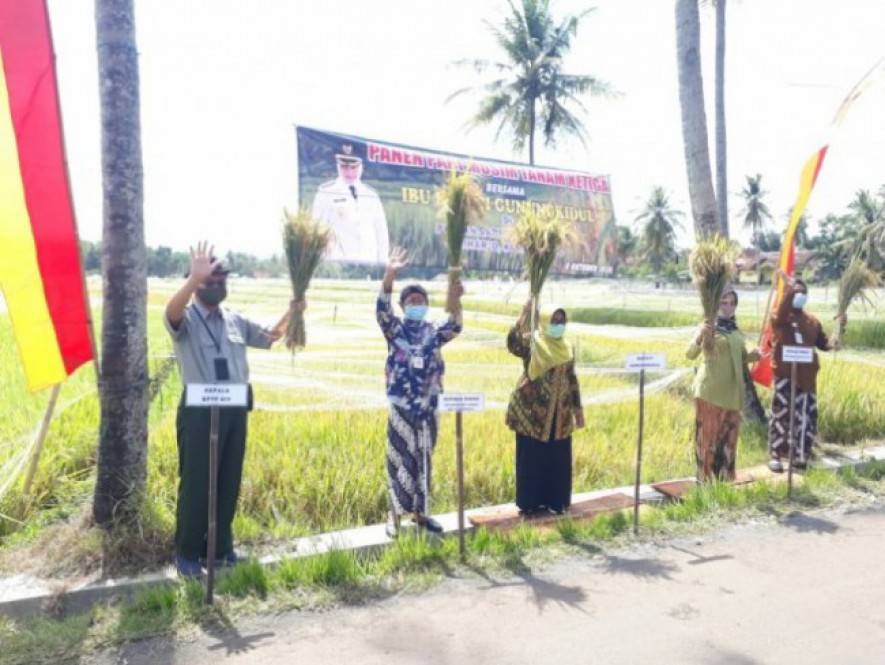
{"points": [[315, 458]]}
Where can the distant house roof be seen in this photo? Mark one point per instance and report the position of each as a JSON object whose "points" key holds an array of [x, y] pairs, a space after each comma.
{"points": [[751, 259]]}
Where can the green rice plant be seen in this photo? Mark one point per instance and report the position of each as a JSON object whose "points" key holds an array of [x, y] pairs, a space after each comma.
{"points": [[305, 241]]}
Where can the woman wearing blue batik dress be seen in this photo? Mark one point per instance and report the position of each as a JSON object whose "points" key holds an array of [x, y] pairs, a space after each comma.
{"points": [[414, 372]]}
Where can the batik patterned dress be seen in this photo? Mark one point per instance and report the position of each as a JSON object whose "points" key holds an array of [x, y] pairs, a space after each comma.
{"points": [[414, 374]]}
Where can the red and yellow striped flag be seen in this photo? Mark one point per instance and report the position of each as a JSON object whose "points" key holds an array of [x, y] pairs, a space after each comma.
{"points": [[40, 271], [762, 371]]}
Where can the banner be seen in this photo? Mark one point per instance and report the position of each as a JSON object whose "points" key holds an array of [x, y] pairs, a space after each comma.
{"points": [[40, 271], [377, 195]]}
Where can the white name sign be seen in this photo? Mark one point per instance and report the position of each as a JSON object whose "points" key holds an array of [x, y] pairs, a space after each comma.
{"points": [[462, 402], [798, 354], [646, 361], [216, 394]]}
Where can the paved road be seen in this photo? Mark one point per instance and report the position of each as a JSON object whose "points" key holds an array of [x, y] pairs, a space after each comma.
{"points": [[809, 588]]}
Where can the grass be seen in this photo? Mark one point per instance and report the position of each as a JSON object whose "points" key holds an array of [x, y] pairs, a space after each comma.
{"points": [[317, 440], [410, 564]]}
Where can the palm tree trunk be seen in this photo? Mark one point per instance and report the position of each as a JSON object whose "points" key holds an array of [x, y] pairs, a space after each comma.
{"points": [[122, 452], [721, 146], [532, 134], [694, 118]]}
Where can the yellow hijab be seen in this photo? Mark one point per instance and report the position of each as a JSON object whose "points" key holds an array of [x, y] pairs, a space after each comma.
{"points": [[547, 352]]}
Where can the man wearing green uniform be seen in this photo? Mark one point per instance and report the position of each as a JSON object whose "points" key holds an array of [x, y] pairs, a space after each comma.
{"points": [[210, 345]]}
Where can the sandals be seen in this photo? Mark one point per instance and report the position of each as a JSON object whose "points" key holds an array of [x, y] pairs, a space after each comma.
{"points": [[775, 465], [428, 523]]}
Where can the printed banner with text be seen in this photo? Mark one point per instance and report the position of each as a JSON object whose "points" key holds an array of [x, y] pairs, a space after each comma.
{"points": [[377, 195]]}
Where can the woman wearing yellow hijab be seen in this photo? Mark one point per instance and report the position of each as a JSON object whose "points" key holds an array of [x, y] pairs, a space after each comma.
{"points": [[544, 409]]}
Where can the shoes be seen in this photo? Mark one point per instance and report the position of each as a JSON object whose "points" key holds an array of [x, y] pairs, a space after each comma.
{"points": [[392, 530], [428, 523], [556, 511], [800, 464], [188, 569], [775, 465]]}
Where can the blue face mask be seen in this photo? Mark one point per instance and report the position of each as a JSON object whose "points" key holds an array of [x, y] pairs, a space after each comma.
{"points": [[415, 312], [800, 300], [555, 330]]}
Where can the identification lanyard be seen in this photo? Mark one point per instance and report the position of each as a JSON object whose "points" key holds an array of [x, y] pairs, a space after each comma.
{"points": [[215, 340]]}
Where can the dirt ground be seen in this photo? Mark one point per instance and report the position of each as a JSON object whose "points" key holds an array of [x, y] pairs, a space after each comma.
{"points": [[805, 588]]}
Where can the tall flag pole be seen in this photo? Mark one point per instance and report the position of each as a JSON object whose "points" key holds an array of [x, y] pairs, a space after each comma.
{"points": [[762, 371], [41, 273]]}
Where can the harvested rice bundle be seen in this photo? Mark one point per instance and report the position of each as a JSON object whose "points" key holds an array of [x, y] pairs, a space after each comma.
{"points": [[712, 265], [540, 234], [854, 283], [305, 241], [461, 203]]}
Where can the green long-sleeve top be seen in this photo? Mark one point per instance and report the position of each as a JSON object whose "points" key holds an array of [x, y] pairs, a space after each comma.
{"points": [[720, 379]]}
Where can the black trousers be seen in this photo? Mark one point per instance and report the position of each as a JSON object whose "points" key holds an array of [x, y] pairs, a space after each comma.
{"points": [[192, 512]]}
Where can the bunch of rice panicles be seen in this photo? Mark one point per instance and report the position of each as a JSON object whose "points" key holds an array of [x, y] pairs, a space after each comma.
{"points": [[461, 203], [540, 234], [854, 282], [712, 266], [305, 241]]}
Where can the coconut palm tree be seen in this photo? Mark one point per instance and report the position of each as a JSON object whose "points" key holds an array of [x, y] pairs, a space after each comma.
{"points": [[529, 90], [122, 451], [869, 213], [694, 118], [755, 212], [658, 222]]}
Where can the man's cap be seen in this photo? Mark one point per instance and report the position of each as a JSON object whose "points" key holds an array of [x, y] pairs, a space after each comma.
{"points": [[219, 269], [347, 154]]}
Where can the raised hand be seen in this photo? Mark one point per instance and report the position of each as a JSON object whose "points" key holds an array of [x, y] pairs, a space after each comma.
{"points": [[399, 259], [202, 264]]}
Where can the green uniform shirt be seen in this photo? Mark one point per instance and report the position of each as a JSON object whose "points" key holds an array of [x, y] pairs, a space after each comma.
{"points": [[720, 379]]}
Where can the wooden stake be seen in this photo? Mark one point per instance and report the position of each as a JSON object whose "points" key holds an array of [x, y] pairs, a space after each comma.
{"points": [[41, 437], [639, 453], [213, 504], [459, 455]]}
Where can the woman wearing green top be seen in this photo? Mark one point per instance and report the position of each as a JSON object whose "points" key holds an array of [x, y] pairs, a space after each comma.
{"points": [[719, 391]]}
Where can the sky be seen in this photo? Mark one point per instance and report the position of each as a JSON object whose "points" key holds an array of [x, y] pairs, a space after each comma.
{"points": [[224, 82]]}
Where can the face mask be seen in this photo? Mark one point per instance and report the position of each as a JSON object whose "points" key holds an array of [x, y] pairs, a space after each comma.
{"points": [[555, 330], [800, 300], [416, 312], [212, 295]]}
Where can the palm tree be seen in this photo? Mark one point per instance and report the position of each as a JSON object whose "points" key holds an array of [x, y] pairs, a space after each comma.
{"points": [[694, 118], [755, 210], [122, 451], [658, 222], [869, 214], [530, 91]]}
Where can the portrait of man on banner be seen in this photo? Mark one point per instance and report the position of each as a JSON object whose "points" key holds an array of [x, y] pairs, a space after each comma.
{"points": [[354, 212]]}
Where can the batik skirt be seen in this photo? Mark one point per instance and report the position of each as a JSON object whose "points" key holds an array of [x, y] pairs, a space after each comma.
{"points": [[804, 422], [715, 441], [410, 442]]}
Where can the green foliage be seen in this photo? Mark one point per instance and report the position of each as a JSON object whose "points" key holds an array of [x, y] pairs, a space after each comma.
{"points": [[658, 222]]}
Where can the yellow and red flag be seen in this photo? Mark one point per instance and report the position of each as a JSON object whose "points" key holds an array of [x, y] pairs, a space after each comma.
{"points": [[762, 371], [40, 271]]}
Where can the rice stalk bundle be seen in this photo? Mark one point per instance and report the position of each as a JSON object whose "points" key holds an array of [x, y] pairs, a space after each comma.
{"points": [[461, 203], [540, 234], [305, 241], [854, 283], [712, 266]]}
